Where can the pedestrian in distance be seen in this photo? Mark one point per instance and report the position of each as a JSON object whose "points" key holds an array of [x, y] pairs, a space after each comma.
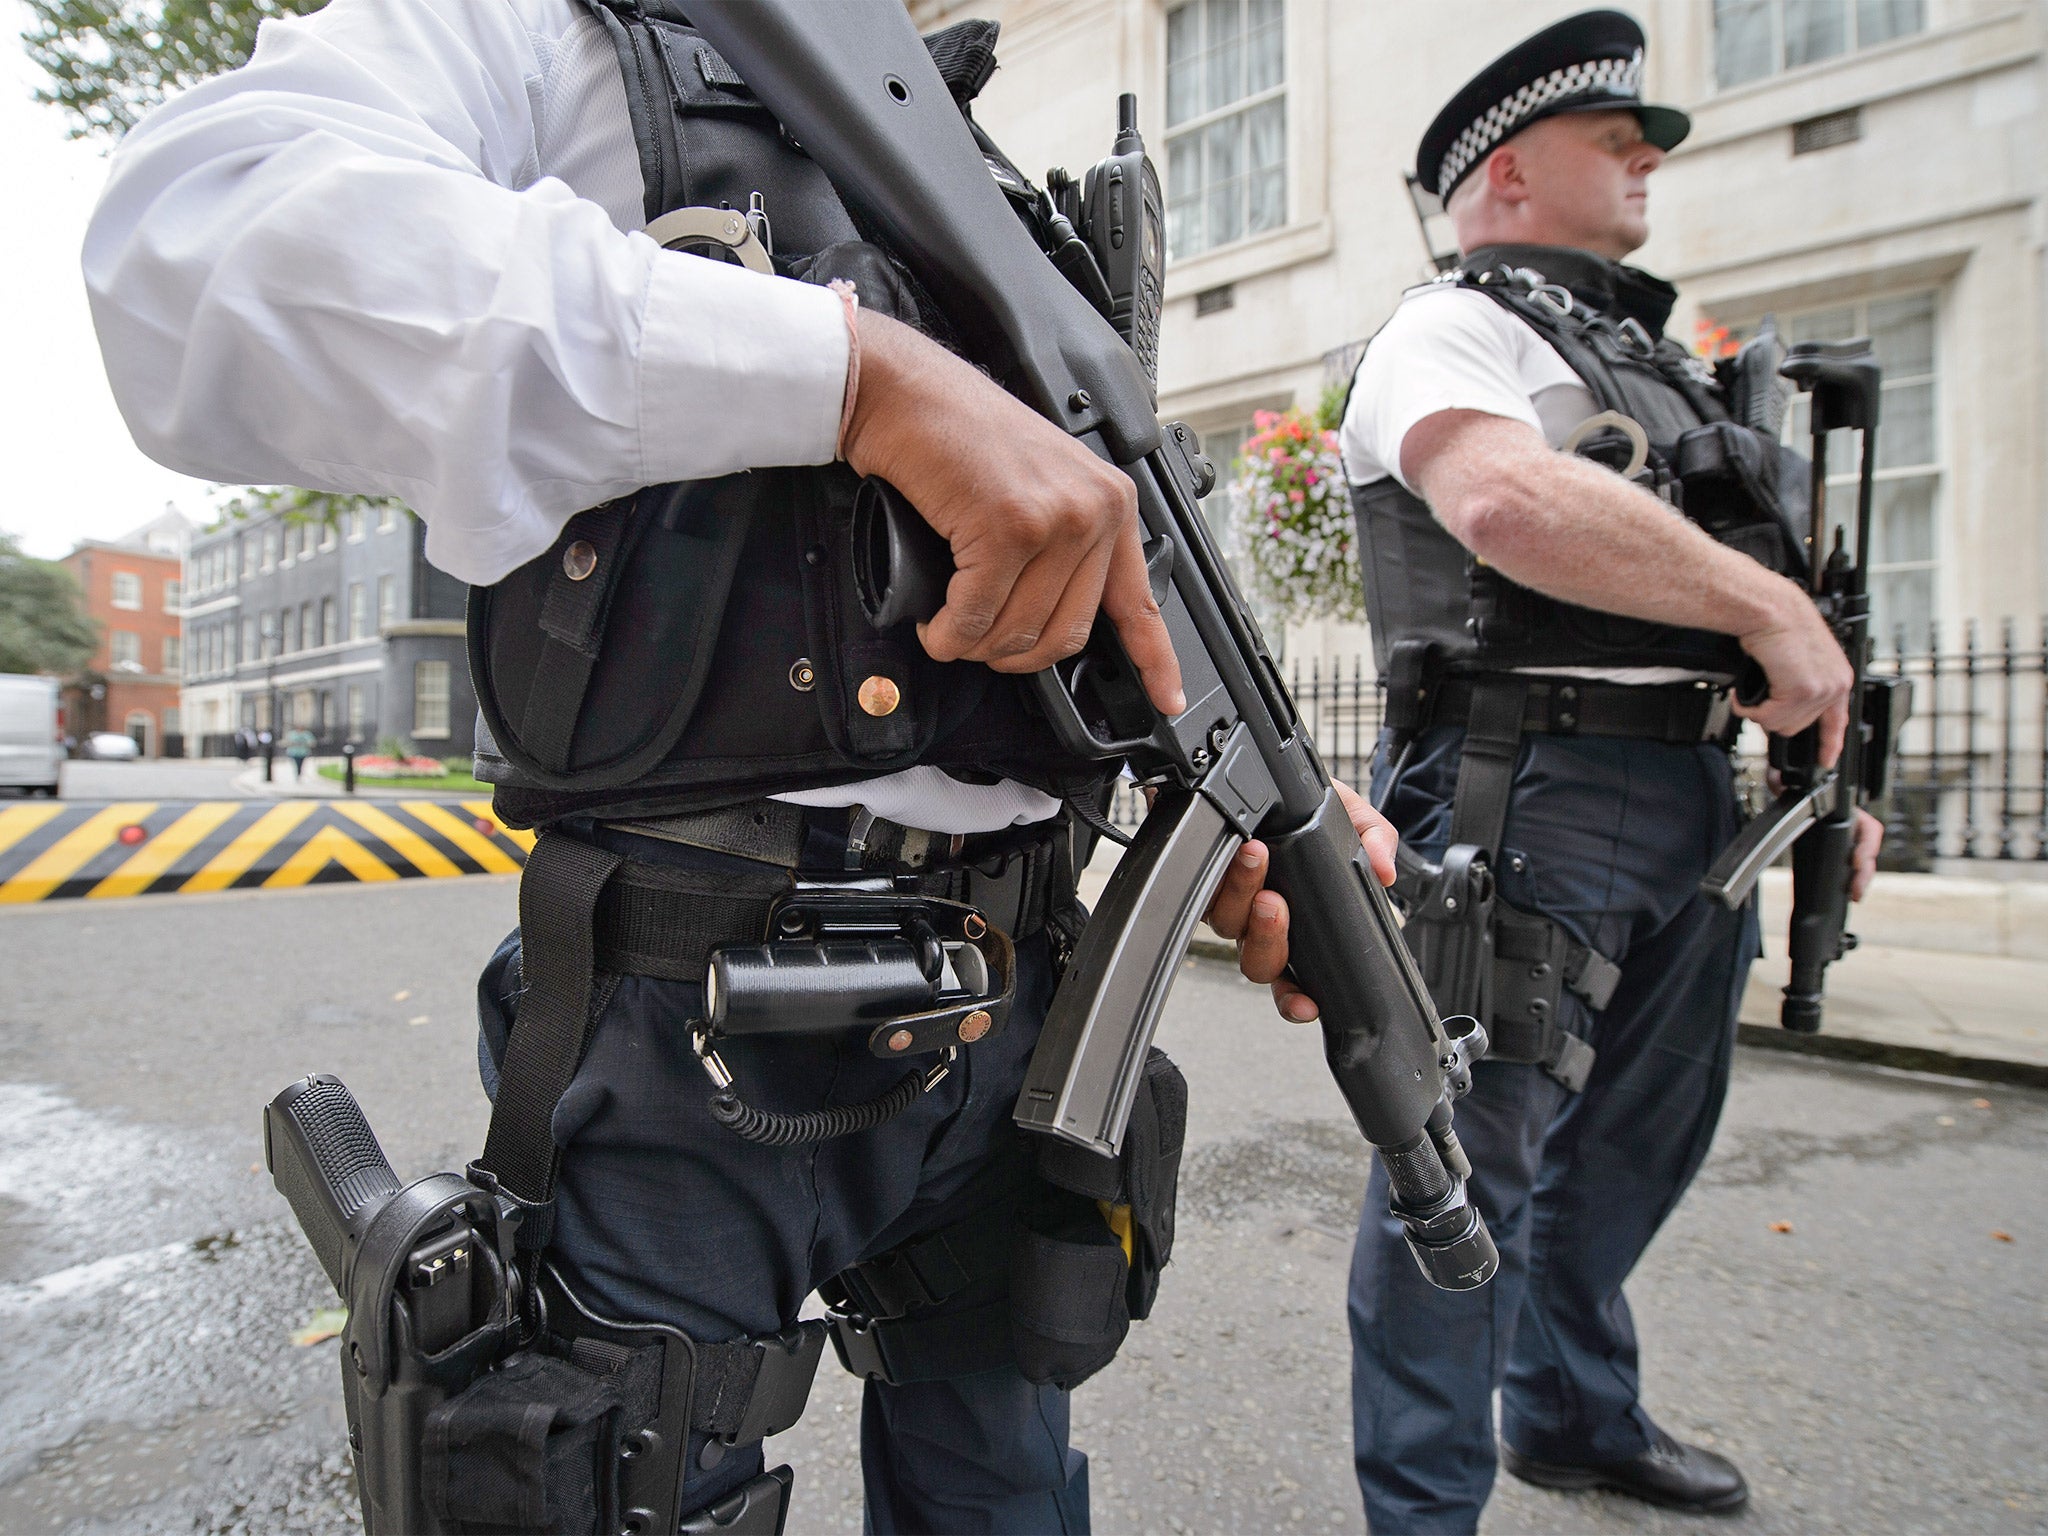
{"points": [[1559, 646], [645, 462], [298, 746]]}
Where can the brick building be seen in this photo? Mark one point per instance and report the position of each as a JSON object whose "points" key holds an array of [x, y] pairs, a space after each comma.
{"points": [[133, 590]]}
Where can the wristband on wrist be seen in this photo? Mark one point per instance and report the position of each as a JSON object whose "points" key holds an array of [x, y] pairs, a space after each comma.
{"points": [[851, 300]]}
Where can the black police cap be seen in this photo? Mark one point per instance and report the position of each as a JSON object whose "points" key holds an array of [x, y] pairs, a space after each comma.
{"points": [[1590, 62]]}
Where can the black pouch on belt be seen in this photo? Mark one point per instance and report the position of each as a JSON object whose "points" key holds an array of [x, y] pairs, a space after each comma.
{"points": [[531, 1447], [1096, 1237]]}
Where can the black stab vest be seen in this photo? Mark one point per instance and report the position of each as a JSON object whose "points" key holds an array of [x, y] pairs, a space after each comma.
{"points": [[1606, 320], [696, 645]]}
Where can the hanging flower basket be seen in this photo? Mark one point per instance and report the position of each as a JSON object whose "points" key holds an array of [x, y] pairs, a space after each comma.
{"points": [[1291, 536]]}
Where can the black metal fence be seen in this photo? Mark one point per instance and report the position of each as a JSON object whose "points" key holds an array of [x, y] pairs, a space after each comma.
{"points": [[1972, 775]]}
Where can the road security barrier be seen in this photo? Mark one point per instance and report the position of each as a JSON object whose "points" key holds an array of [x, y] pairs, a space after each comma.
{"points": [[153, 847]]}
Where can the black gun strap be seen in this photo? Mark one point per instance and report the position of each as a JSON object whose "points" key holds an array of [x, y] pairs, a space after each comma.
{"points": [[1486, 771], [558, 896]]}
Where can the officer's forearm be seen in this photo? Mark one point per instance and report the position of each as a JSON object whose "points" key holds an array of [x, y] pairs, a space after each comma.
{"points": [[1580, 533]]}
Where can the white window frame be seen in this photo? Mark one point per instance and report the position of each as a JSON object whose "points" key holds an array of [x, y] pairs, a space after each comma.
{"points": [[1197, 126], [174, 594], [126, 591], [387, 602], [124, 648], [174, 655], [432, 707], [1778, 66]]}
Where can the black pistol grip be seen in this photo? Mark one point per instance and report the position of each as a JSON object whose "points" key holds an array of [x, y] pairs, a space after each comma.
{"points": [[327, 1163]]}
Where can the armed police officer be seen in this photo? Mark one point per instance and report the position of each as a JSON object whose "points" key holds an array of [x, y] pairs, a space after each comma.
{"points": [[401, 252], [1559, 644]]}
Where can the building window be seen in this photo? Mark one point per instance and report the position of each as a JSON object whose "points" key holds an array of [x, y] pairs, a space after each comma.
{"points": [[1903, 558], [174, 655], [358, 611], [302, 709], [1226, 119], [1755, 38], [269, 548], [287, 631], [174, 595], [430, 698], [127, 590], [357, 524], [171, 720], [329, 535], [357, 715], [125, 647], [387, 518], [330, 622], [249, 651], [387, 602]]}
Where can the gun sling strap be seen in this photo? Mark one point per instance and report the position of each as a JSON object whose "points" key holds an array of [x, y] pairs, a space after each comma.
{"points": [[1532, 954]]}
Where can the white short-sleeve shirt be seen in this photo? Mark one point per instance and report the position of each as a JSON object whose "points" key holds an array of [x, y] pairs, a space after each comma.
{"points": [[1450, 349]]}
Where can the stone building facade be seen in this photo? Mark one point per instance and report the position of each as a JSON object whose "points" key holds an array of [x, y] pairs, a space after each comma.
{"points": [[342, 630], [1855, 167]]}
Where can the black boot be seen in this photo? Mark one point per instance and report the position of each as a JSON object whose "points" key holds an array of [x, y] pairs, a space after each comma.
{"points": [[1670, 1473]]}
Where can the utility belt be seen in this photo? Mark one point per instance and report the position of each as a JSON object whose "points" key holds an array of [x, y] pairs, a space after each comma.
{"points": [[1480, 956], [1677, 713], [484, 1395]]}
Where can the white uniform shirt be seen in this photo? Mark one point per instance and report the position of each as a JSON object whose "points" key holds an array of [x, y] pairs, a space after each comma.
{"points": [[398, 253], [1450, 349]]}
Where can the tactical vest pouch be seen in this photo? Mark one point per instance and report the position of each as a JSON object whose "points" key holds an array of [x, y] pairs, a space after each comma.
{"points": [[1089, 1259], [574, 700], [1733, 480]]}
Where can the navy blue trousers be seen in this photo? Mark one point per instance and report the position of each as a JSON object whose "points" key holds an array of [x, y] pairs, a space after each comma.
{"points": [[663, 1215], [1613, 837]]}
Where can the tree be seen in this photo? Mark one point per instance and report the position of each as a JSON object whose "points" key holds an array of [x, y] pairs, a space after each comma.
{"points": [[110, 61], [43, 627]]}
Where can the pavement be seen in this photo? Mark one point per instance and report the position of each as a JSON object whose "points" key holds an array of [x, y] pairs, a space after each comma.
{"points": [[1848, 1302], [1950, 974]]}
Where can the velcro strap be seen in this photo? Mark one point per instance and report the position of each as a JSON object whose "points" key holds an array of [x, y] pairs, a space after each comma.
{"points": [[933, 1268], [1541, 1043], [558, 895], [1486, 770], [1591, 974], [751, 1388]]}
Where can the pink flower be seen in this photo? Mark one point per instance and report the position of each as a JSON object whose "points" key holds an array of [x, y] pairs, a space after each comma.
{"points": [[1313, 477], [1296, 497], [1263, 419]]}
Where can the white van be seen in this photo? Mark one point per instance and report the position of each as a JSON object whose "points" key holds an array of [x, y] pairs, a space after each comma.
{"points": [[31, 738]]}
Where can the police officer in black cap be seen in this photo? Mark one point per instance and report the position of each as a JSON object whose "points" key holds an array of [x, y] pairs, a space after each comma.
{"points": [[1559, 645]]}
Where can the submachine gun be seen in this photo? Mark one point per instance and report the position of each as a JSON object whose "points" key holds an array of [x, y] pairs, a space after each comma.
{"points": [[1814, 814], [1061, 317]]}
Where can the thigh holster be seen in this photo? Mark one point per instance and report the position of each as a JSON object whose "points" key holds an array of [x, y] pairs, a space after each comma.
{"points": [[1047, 1282]]}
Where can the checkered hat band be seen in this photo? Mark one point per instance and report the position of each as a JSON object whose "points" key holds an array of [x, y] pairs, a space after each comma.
{"points": [[1618, 77]]}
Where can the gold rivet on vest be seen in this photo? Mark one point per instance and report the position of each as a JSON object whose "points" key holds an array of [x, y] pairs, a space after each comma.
{"points": [[879, 696], [579, 560], [974, 1026], [803, 677], [902, 1040]]}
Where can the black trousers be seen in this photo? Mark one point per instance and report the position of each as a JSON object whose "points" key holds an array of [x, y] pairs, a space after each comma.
{"points": [[664, 1215], [1613, 838]]}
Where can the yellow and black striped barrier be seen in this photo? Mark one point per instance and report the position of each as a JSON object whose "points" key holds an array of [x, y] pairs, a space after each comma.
{"points": [[138, 847]]}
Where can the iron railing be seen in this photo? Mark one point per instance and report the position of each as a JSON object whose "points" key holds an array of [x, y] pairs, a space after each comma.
{"points": [[1971, 780]]}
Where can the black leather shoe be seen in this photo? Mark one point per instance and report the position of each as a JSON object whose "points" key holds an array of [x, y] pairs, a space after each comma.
{"points": [[1670, 1473]]}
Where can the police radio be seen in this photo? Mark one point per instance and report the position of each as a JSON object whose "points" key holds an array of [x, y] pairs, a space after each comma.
{"points": [[1119, 212]]}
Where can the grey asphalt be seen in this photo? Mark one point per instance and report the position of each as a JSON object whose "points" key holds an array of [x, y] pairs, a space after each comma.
{"points": [[1881, 1366], [152, 779]]}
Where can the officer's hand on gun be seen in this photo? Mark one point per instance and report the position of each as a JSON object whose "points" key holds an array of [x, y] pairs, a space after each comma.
{"points": [[1043, 532], [1810, 677], [1256, 918]]}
